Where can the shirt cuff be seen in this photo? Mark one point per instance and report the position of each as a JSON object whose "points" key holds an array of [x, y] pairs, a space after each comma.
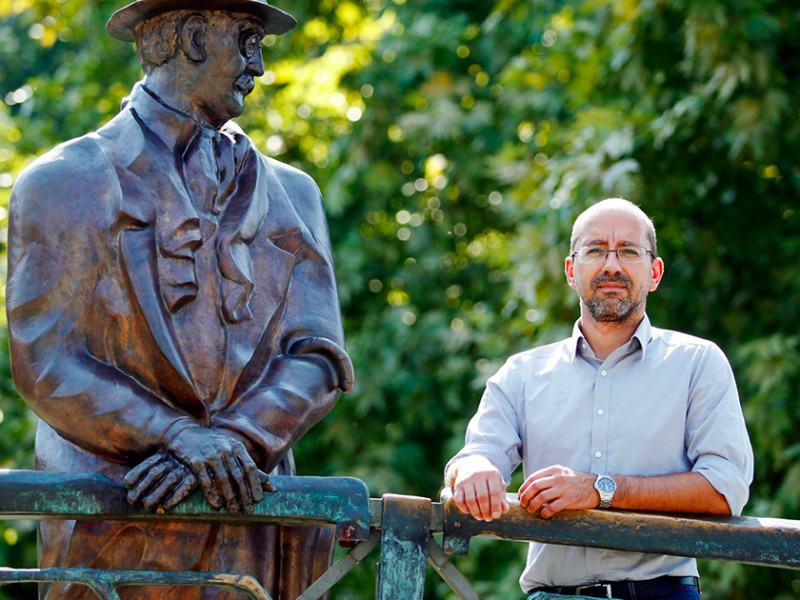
{"points": [[727, 478]]}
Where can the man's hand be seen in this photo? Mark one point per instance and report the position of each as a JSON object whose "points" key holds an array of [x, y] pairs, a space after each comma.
{"points": [[223, 468], [558, 488], [478, 488], [160, 482]]}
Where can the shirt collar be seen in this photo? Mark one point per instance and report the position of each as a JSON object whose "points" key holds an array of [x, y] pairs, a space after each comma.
{"points": [[641, 336], [173, 127], [574, 343]]}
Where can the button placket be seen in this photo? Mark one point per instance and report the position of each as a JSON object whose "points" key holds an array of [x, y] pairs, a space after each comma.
{"points": [[599, 442]]}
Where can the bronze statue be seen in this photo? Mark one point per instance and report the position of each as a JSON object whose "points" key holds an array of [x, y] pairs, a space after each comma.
{"points": [[172, 308]]}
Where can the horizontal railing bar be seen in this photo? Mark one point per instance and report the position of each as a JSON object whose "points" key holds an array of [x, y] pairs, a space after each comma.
{"points": [[760, 541], [339, 501], [376, 521], [344, 502], [102, 580]]}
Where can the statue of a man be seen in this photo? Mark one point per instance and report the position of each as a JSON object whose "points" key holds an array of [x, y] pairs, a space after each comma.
{"points": [[172, 308]]}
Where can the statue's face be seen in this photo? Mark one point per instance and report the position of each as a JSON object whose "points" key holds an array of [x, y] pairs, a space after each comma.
{"points": [[233, 61]]}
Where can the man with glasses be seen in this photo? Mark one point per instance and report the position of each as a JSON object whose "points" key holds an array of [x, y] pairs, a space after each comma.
{"points": [[620, 415]]}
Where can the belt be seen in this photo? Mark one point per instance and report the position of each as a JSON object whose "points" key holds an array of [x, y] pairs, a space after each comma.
{"points": [[625, 590]]}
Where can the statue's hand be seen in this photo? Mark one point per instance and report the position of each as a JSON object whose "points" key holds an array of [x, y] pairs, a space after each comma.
{"points": [[159, 483], [225, 471]]}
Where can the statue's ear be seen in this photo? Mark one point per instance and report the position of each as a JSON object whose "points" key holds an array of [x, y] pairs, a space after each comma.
{"points": [[191, 35]]}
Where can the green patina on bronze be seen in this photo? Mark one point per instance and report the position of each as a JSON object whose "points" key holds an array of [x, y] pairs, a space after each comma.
{"points": [[106, 583], [339, 501], [405, 536]]}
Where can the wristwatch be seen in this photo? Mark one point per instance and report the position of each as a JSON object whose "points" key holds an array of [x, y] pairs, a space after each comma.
{"points": [[606, 487]]}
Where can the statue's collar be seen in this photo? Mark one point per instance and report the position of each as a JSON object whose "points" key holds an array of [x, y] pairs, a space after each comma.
{"points": [[175, 128]]}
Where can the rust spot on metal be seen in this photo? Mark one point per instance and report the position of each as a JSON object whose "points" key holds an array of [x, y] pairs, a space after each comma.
{"points": [[348, 532]]}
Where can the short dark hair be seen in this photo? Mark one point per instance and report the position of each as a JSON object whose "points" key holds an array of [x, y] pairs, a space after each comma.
{"points": [[157, 38]]}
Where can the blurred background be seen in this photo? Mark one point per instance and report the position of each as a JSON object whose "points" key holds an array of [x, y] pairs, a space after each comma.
{"points": [[455, 141]]}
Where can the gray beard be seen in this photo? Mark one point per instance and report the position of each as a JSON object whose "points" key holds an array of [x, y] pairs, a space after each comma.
{"points": [[611, 310]]}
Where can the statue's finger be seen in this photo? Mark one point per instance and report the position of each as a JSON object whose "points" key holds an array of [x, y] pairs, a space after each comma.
{"points": [[265, 483], [138, 472], [252, 479], [161, 490], [241, 482], [178, 494], [150, 479], [209, 486], [225, 482]]}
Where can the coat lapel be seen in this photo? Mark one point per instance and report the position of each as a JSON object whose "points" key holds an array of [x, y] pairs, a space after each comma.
{"points": [[147, 172], [252, 343]]}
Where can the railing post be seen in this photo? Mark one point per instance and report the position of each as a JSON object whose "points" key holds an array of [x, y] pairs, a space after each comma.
{"points": [[405, 536]]}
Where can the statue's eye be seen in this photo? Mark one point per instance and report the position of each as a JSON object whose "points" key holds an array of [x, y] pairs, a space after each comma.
{"points": [[251, 44]]}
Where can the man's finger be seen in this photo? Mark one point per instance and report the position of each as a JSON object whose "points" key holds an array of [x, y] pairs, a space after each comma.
{"points": [[463, 498], [533, 486], [497, 496], [458, 498], [484, 497], [473, 505], [536, 502]]}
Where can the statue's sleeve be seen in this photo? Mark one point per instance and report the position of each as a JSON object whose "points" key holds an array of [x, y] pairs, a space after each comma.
{"points": [[310, 368], [59, 250]]}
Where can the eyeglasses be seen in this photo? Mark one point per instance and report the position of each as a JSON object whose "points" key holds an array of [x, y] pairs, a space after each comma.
{"points": [[593, 255]]}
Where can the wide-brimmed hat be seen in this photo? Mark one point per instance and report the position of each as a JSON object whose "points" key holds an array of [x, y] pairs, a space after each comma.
{"points": [[122, 23]]}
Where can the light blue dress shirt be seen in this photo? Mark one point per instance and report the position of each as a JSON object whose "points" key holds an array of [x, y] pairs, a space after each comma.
{"points": [[665, 402]]}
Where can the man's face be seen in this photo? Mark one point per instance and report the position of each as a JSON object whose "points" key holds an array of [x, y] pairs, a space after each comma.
{"points": [[233, 61], [614, 291]]}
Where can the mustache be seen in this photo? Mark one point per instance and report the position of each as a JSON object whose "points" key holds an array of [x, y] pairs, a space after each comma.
{"points": [[618, 278]]}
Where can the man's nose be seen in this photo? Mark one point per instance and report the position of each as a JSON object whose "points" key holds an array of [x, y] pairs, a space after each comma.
{"points": [[611, 263], [256, 64]]}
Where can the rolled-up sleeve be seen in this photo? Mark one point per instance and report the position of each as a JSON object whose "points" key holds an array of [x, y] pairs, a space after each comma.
{"points": [[717, 443]]}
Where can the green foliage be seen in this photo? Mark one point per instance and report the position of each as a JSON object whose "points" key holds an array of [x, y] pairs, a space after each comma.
{"points": [[455, 141]]}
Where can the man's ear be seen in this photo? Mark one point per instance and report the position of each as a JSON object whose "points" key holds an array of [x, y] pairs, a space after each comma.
{"points": [[192, 37], [569, 271], [657, 272]]}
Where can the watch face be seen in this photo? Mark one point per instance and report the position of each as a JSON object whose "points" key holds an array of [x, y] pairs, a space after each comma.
{"points": [[606, 484]]}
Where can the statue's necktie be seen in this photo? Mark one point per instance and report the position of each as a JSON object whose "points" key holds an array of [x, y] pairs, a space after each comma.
{"points": [[202, 170]]}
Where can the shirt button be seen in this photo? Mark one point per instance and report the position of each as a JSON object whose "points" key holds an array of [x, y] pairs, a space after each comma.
{"points": [[600, 411], [598, 454], [603, 372]]}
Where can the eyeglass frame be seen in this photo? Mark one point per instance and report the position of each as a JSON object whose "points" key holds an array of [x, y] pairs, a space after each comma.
{"points": [[615, 251]]}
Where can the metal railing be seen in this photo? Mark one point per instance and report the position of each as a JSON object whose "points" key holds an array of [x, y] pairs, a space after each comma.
{"points": [[403, 526]]}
